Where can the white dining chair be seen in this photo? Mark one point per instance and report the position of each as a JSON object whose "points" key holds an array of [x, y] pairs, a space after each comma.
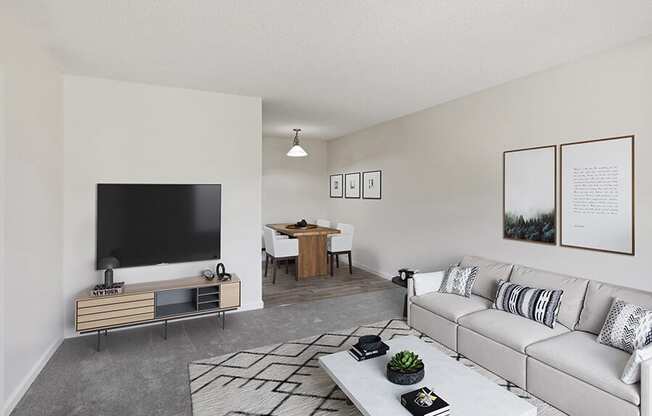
{"points": [[323, 223], [279, 249], [340, 244]]}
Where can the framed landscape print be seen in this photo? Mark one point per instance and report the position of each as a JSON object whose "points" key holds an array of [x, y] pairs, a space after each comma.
{"points": [[530, 194], [372, 184], [597, 195], [336, 186], [352, 185]]}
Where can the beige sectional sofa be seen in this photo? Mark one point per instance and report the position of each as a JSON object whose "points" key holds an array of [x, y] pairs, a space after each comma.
{"points": [[564, 366]]}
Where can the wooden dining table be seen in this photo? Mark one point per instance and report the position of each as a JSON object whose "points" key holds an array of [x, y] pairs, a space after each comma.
{"points": [[312, 247]]}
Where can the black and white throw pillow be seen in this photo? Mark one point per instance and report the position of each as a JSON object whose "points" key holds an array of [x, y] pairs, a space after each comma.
{"points": [[539, 305], [628, 327], [459, 280]]}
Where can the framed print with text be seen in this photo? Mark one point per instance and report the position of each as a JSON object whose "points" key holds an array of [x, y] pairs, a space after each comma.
{"points": [[337, 186], [372, 184], [597, 195], [530, 194], [352, 185]]}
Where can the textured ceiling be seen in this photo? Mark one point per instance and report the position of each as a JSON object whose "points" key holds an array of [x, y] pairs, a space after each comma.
{"points": [[330, 66]]}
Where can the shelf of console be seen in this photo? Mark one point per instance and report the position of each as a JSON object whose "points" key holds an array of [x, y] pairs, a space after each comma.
{"points": [[152, 302]]}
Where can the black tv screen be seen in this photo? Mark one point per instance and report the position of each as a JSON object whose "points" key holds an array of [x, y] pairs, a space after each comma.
{"points": [[152, 224]]}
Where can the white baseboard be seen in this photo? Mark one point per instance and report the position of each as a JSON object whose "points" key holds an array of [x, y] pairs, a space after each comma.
{"points": [[18, 393], [369, 269]]}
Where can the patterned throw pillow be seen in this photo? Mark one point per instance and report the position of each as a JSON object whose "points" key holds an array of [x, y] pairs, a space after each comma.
{"points": [[539, 305], [632, 371], [459, 280], [628, 327]]}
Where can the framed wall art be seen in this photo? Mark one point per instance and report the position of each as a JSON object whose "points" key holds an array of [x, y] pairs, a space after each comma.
{"points": [[372, 184], [337, 186], [352, 185], [597, 195], [530, 194]]}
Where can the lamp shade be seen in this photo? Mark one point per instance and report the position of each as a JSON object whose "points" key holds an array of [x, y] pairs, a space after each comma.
{"points": [[297, 151], [109, 263]]}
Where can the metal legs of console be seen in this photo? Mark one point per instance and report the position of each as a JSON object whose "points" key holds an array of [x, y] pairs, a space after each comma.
{"points": [[220, 314]]}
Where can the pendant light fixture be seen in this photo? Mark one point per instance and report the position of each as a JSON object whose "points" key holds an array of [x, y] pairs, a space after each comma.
{"points": [[296, 150]]}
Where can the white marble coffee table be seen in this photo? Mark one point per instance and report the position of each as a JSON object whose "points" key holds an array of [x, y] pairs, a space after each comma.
{"points": [[468, 392]]}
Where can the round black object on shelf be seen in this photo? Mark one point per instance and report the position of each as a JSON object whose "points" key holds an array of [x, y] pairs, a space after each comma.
{"points": [[370, 342], [405, 379]]}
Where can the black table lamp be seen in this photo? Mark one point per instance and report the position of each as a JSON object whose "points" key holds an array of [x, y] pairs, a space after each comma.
{"points": [[108, 263]]}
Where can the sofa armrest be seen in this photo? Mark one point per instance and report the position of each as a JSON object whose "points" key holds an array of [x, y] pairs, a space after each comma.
{"points": [[435, 279], [646, 388]]}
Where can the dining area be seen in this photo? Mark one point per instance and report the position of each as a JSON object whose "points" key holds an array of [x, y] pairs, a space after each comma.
{"points": [[310, 249]]}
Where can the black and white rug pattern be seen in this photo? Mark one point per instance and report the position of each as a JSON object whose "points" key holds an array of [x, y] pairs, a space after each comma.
{"points": [[286, 380]]}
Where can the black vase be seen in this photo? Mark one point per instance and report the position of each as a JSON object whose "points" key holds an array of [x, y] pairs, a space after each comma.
{"points": [[405, 379]]}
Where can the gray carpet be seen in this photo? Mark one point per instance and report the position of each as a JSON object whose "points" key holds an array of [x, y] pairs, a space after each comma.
{"points": [[285, 379], [139, 373]]}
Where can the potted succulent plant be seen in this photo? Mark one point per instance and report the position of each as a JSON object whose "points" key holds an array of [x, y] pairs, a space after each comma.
{"points": [[405, 368]]}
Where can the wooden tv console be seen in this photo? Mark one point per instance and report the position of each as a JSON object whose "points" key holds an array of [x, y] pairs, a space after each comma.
{"points": [[162, 301]]}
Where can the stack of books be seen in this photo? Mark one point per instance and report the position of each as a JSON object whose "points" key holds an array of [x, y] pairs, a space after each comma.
{"points": [[360, 353], [423, 402]]}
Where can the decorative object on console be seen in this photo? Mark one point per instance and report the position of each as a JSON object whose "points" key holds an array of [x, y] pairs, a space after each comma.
{"points": [[372, 183], [104, 290], [352, 185], [208, 274], [539, 305], [336, 186], [459, 280], [597, 195], [221, 273], [108, 264], [628, 327], [530, 194], [423, 402], [405, 368]]}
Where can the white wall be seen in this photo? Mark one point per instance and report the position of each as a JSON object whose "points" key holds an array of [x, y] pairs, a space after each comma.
{"points": [[136, 133], [32, 184], [442, 168], [3, 312], [294, 187]]}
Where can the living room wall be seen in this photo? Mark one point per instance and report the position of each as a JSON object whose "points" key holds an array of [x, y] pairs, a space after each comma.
{"points": [[442, 168], [135, 133], [31, 151], [294, 188]]}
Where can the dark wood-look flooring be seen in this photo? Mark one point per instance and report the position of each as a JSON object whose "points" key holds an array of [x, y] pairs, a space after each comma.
{"points": [[288, 291]]}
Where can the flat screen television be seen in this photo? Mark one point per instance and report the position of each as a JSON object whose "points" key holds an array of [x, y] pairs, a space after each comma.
{"points": [[152, 224]]}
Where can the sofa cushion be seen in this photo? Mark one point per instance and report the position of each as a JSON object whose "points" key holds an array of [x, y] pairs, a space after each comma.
{"points": [[628, 327], [489, 273], [459, 280], [450, 306], [579, 355], [539, 305], [510, 330], [597, 303], [574, 290]]}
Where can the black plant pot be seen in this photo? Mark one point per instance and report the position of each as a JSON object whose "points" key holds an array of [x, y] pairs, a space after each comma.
{"points": [[405, 379]]}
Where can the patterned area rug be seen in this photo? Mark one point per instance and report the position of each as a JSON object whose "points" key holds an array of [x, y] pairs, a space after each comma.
{"points": [[285, 379]]}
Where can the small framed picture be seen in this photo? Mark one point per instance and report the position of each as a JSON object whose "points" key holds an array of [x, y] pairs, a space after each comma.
{"points": [[352, 185], [372, 184], [337, 186]]}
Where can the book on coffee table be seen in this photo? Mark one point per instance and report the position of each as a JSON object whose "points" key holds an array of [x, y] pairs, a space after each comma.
{"points": [[360, 354], [423, 402]]}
